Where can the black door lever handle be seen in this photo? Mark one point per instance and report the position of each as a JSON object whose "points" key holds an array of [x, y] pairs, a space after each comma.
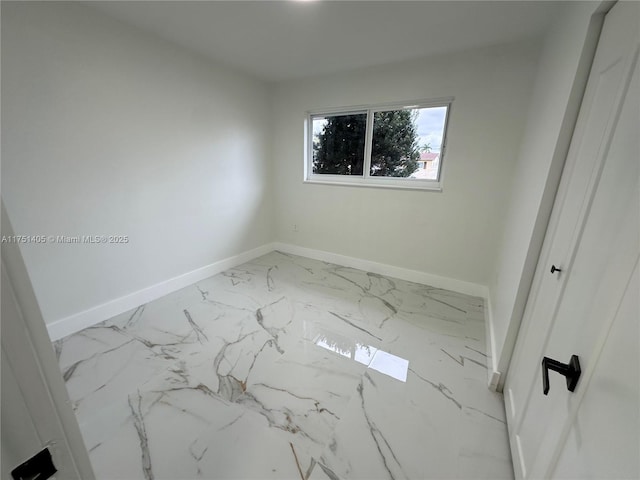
{"points": [[555, 269], [570, 370]]}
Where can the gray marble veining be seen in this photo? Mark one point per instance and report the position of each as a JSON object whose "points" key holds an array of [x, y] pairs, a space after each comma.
{"points": [[290, 368]]}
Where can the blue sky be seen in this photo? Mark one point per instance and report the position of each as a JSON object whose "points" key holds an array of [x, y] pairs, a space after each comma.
{"points": [[430, 124]]}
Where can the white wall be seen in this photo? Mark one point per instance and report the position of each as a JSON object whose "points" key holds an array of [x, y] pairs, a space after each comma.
{"points": [[452, 234], [559, 84], [109, 130]]}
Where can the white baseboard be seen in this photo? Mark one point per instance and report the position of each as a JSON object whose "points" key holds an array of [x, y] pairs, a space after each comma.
{"points": [[79, 321], [437, 281], [493, 375]]}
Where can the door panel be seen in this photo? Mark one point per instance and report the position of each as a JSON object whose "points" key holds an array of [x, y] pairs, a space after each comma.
{"points": [[19, 434], [598, 277], [604, 412], [595, 238]]}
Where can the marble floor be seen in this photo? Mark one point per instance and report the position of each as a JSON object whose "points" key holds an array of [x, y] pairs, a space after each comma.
{"points": [[290, 368]]}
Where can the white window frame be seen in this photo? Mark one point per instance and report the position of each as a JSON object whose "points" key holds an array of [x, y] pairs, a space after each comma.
{"points": [[367, 180]]}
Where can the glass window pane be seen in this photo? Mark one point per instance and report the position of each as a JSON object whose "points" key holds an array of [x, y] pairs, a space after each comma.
{"points": [[338, 144], [407, 143]]}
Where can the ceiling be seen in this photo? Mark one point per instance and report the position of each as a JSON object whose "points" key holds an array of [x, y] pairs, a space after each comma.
{"points": [[281, 40]]}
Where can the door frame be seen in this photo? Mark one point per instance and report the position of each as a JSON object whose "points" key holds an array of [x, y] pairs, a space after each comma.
{"points": [[27, 348], [499, 365]]}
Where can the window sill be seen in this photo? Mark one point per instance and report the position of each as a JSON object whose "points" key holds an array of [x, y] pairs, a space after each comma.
{"points": [[430, 186]]}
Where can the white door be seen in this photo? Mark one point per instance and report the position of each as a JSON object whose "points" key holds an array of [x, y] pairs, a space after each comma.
{"points": [[590, 308], [36, 411]]}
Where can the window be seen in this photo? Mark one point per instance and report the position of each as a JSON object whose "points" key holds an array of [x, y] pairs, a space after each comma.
{"points": [[395, 146]]}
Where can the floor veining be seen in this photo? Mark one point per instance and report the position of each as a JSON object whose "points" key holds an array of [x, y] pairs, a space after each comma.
{"points": [[290, 368]]}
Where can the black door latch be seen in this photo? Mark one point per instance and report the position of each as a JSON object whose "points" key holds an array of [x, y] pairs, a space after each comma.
{"points": [[570, 370], [38, 467]]}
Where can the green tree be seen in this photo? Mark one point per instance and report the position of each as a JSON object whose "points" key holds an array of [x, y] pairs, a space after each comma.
{"points": [[339, 147], [395, 151]]}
